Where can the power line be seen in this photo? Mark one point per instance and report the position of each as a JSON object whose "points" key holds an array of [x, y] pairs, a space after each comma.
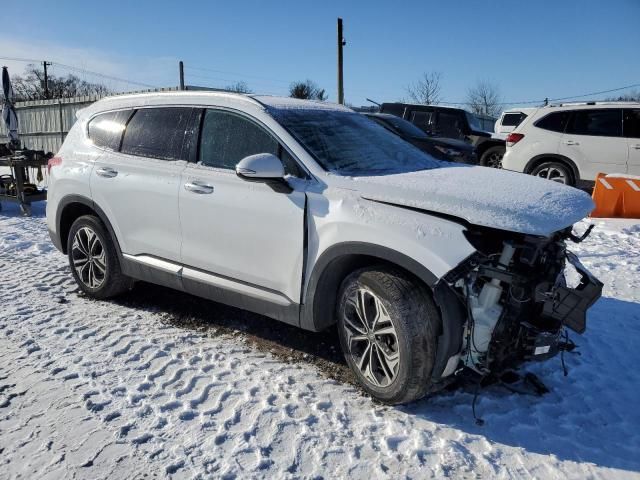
{"points": [[81, 70], [287, 83], [597, 93]]}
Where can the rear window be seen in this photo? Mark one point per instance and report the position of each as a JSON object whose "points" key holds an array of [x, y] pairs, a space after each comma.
{"points": [[513, 119], [157, 133], [556, 121], [602, 123], [105, 130]]}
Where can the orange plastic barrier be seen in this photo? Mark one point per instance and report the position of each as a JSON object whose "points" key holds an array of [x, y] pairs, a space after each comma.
{"points": [[616, 197]]}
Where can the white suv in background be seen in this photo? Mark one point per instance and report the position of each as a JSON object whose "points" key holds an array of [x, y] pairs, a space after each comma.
{"points": [[572, 143], [312, 214], [509, 121]]}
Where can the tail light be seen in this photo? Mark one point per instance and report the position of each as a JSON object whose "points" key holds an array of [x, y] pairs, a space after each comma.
{"points": [[514, 138], [53, 162]]}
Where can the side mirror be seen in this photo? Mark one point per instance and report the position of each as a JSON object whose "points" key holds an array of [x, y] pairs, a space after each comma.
{"points": [[261, 166]]}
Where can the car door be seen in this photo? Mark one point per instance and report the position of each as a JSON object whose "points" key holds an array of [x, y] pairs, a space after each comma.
{"points": [[632, 135], [593, 141], [244, 236], [137, 183]]}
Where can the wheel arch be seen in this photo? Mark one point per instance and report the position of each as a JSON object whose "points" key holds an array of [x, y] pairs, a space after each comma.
{"points": [[320, 294], [70, 208], [539, 159], [484, 146]]}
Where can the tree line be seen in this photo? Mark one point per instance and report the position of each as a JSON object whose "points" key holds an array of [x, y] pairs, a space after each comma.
{"points": [[482, 98]]}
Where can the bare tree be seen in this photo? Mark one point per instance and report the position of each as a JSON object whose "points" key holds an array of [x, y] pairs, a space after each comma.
{"points": [[632, 96], [484, 98], [307, 90], [238, 87], [427, 89], [31, 86]]}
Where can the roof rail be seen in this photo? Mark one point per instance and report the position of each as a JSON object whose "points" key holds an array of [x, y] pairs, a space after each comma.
{"points": [[612, 102]]}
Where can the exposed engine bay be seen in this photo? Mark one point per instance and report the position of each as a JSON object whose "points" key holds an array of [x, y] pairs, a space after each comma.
{"points": [[519, 293]]}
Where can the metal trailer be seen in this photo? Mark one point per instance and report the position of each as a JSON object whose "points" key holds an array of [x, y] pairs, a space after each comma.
{"points": [[16, 189]]}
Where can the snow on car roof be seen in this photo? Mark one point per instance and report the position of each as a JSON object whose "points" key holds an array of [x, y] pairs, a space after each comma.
{"points": [[288, 103]]}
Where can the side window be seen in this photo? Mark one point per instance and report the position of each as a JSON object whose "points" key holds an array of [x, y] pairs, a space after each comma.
{"points": [[555, 121], [157, 133], [449, 125], [105, 130], [421, 119], [602, 123], [290, 165], [227, 138], [632, 123]]}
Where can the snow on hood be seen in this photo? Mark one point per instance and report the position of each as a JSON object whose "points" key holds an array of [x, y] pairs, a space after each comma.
{"points": [[482, 196]]}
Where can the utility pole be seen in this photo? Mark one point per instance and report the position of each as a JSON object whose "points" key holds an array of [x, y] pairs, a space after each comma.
{"points": [[46, 64], [341, 43], [181, 66]]}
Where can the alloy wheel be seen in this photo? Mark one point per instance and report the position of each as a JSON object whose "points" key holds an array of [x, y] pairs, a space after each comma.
{"points": [[89, 257], [554, 174], [372, 341], [494, 160]]}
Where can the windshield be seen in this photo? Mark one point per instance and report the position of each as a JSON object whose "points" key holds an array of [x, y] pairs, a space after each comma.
{"points": [[406, 128], [348, 143]]}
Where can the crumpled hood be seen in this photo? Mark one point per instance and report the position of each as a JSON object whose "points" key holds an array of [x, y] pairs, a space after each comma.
{"points": [[481, 196]]}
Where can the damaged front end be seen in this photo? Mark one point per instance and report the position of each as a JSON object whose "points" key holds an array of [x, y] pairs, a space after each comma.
{"points": [[516, 294]]}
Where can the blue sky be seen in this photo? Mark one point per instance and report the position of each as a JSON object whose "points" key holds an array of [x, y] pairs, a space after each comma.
{"points": [[530, 49]]}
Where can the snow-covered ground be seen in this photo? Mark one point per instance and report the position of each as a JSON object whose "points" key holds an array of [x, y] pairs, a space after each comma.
{"points": [[160, 383]]}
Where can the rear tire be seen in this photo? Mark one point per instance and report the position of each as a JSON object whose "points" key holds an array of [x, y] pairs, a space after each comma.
{"points": [[492, 157], [387, 324], [93, 259], [555, 171]]}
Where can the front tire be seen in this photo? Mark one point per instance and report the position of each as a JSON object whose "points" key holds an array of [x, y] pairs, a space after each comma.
{"points": [[387, 324], [94, 260]]}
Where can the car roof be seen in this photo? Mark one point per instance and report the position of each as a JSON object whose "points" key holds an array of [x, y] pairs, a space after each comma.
{"points": [[214, 98]]}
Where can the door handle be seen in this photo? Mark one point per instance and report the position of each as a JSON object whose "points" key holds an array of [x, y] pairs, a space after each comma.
{"points": [[107, 172], [636, 146], [571, 142], [198, 187]]}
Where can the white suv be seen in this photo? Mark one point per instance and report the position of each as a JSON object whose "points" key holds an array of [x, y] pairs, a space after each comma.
{"points": [[572, 143], [311, 214]]}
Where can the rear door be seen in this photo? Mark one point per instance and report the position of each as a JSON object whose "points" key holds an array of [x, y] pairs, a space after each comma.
{"points": [[136, 183], [246, 236], [593, 140], [632, 135]]}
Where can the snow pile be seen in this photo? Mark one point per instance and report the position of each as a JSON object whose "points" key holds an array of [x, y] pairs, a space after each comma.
{"points": [[482, 196], [623, 175], [124, 389]]}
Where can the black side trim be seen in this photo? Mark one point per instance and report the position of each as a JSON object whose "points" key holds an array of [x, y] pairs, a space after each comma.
{"points": [[318, 310], [285, 313]]}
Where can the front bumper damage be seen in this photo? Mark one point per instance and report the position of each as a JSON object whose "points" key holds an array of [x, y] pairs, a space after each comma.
{"points": [[500, 311]]}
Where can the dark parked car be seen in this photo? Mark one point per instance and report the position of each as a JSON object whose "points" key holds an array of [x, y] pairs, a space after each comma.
{"points": [[451, 122], [441, 148]]}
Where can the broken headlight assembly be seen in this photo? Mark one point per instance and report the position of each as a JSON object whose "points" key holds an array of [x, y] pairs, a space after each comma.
{"points": [[517, 299]]}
